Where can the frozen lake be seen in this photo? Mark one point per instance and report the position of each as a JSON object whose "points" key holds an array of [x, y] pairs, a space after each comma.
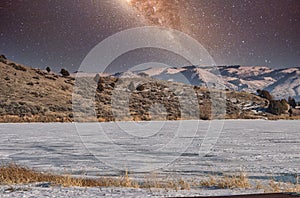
{"points": [[186, 148]]}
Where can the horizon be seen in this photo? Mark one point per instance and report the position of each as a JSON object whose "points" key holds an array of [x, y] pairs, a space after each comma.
{"points": [[57, 70]]}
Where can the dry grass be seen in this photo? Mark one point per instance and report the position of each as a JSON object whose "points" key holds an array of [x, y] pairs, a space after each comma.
{"points": [[225, 182], [282, 117], [242, 181], [66, 118], [176, 184], [279, 187], [259, 185], [13, 174], [36, 118]]}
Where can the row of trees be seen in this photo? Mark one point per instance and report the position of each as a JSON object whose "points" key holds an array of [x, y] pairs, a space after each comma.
{"points": [[277, 107]]}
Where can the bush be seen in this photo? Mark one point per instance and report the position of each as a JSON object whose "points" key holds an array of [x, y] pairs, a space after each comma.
{"points": [[64, 72], [18, 67], [265, 94], [294, 112], [140, 88], [292, 102], [48, 69], [3, 57], [278, 107]]}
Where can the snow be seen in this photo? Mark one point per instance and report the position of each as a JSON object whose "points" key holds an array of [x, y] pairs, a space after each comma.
{"points": [[153, 71], [287, 86], [210, 78], [281, 82], [263, 149], [250, 71], [29, 191], [174, 70], [88, 75], [290, 70], [128, 74]]}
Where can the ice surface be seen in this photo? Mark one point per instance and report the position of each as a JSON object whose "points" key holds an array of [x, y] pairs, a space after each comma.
{"points": [[255, 146], [263, 149]]}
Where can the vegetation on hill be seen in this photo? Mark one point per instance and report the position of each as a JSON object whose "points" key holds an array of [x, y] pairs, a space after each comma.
{"points": [[279, 107], [64, 72], [35, 95]]}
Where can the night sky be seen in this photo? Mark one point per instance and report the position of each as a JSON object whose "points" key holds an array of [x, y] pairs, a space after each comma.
{"points": [[58, 33]]}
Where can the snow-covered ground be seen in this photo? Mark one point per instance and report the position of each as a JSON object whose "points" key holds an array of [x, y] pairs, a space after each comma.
{"points": [[281, 83], [31, 191], [262, 149]]}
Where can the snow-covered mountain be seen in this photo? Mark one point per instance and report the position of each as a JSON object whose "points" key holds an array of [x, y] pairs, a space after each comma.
{"points": [[281, 83]]}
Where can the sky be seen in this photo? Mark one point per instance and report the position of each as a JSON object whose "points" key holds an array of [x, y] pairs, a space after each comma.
{"points": [[59, 34]]}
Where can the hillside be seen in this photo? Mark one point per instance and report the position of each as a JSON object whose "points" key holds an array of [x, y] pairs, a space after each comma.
{"points": [[29, 94], [281, 83], [33, 94]]}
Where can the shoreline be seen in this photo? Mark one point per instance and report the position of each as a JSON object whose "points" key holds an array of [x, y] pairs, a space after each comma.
{"points": [[43, 119]]}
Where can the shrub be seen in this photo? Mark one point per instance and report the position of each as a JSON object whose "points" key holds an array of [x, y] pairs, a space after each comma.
{"points": [[48, 69], [292, 102], [18, 67], [140, 88], [278, 107], [3, 57], [64, 72], [265, 94], [294, 112]]}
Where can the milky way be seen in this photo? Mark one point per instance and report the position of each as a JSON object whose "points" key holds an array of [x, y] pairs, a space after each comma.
{"points": [[159, 13]]}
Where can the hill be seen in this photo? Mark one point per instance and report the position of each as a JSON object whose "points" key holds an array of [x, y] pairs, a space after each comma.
{"points": [[35, 95], [281, 83]]}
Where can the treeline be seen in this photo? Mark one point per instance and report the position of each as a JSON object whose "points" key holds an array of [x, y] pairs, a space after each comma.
{"points": [[282, 106]]}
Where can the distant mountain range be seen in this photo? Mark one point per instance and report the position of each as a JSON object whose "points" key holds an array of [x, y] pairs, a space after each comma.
{"points": [[281, 83]]}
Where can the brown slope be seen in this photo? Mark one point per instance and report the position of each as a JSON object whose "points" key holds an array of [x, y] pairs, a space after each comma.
{"points": [[29, 95]]}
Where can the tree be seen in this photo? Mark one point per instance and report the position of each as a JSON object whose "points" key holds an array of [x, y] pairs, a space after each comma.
{"points": [[3, 57], [140, 88], [64, 73], [278, 107], [292, 102], [48, 69], [285, 105], [265, 94]]}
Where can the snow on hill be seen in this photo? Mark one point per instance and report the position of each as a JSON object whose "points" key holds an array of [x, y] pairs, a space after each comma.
{"points": [[289, 85], [282, 83]]}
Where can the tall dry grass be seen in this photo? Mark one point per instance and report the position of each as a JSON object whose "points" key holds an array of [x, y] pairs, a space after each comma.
{"points": [[241, 181], [13, 174], [235, 181]]}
